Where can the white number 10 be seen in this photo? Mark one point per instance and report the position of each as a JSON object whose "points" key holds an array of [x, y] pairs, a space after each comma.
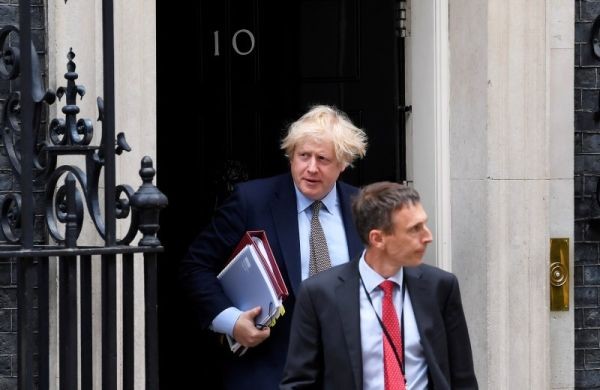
{"points": [[234, 42]]}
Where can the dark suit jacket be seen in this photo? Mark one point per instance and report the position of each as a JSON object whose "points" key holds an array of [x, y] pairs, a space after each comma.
{"points": [[264, 204], [325, 344]]}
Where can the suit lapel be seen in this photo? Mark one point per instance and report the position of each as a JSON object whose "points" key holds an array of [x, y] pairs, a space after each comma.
{"points": [[286, 226], [347, 298], [422, 304], [285, 217], [355, 246]]}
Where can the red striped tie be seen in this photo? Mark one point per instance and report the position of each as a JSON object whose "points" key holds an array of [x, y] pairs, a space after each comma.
{"points": [[394, 379]]}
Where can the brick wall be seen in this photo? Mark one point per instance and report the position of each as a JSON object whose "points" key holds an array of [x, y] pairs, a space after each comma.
{"points": [[587, 211], [8, 269]]}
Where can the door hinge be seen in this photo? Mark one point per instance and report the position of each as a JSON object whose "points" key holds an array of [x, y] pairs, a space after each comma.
{"points": [[401, 18], [408, 110]]}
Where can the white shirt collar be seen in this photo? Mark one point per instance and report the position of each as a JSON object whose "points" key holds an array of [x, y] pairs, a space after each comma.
{"points": [[330, 200], [372, 279]]}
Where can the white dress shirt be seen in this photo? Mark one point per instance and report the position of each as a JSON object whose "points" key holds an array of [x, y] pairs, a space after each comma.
{"points": [[372, 335]]}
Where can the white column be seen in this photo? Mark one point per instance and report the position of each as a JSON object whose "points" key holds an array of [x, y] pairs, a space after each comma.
{"points": [[468, 167], [518, 196], [511, 167], [428, 124], [561, 24]]}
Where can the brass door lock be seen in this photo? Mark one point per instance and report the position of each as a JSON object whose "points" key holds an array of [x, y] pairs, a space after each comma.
{"points": [[559, 274]]}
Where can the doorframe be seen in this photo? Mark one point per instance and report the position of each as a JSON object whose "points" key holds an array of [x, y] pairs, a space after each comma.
{"points": [[428, 126]]}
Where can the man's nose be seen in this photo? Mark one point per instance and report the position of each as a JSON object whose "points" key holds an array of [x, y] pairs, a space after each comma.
{"points": [[312, 164], [428, 236]]}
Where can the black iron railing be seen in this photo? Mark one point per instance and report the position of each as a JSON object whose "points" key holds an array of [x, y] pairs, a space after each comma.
{"points": [[35, 155]]}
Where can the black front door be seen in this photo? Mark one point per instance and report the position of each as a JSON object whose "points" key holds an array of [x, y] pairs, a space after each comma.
{"points": [[251, 67]]}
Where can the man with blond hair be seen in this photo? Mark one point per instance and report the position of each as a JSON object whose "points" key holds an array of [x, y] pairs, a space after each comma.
{"points": [[306, 215]]}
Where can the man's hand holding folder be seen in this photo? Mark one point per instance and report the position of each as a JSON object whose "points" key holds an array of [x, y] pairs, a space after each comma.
{"points": [[253, 282], [246, 332]]}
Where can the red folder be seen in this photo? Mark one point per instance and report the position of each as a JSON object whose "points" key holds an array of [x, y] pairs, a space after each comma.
{"points": [[269, 263]]}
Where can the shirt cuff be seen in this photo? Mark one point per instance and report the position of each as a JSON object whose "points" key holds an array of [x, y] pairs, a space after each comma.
{"points": [[225, 321]]}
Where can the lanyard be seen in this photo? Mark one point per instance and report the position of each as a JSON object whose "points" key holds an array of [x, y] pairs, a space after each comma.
{"points": [[384, 329]]}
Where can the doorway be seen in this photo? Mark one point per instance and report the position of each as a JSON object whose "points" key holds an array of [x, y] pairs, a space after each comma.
{"points": [[252, 67]]}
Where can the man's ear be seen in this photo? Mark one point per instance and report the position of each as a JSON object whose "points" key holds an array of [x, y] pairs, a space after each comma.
{"points": [[376, 238], [343, 166]]}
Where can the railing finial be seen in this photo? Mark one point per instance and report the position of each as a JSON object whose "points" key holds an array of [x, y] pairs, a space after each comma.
{"points": [[148, 200]]}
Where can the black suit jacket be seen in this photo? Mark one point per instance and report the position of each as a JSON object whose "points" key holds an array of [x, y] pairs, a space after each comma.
{"points": [[325, 345], [264, 204]]}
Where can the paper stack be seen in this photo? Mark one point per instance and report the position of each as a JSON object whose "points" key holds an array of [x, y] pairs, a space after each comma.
{"points": [[252, 278]]}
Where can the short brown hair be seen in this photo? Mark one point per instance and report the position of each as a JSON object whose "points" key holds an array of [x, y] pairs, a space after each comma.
{"points": [[374, 205], [326, 123]]}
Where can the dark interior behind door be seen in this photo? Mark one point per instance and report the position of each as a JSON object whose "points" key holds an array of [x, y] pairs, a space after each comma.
{"points": [[251, 67]]}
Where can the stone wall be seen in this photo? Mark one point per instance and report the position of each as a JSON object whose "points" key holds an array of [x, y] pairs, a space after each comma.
{"points": [[9, 14], [587, 209]]}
